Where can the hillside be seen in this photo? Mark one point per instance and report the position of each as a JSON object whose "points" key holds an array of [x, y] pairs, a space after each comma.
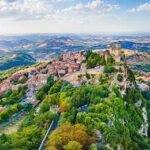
{"points": [[138, 60], [15, 61], [86, 100], [135, 45]]}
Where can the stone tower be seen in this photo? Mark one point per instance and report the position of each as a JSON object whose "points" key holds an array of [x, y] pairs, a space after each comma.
{"points": [[118, 49], [115, 51]]}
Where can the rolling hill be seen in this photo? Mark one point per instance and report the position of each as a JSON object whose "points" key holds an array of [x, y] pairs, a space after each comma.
{"points": [[16, 60]]}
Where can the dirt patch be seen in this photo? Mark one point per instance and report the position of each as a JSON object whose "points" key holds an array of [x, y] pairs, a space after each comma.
{"points": [[73, 77], [12, 127]]}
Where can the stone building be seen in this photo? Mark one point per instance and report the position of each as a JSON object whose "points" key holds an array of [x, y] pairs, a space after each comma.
{"points": [[115, 51]]}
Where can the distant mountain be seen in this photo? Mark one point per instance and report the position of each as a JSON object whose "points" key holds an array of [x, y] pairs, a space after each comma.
{"points": [[9, 47], [15, 61], [52, 43], [139, 60], [15, 43], [47, 46], [135, 45]]}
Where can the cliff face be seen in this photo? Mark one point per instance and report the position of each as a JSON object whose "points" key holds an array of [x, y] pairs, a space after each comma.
{"points": [[134, 103], [129, 117]]}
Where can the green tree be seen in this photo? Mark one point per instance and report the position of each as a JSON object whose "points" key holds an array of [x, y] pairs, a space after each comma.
{"points": [[119, 77], [73, 145], [40, 95], [44, 107]]}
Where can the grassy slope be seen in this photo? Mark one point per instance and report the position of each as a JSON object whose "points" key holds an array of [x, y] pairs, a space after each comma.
{"points": [[15, 61]]}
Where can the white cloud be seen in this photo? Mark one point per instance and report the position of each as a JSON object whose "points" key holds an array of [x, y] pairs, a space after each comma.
{"points": [[25, 16], [26, 9], [21, 8], [44, 9], [141, 8], [94, 6]]}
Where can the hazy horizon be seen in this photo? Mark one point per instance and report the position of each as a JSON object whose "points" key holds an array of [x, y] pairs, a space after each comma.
{"points": [[71, 33]]}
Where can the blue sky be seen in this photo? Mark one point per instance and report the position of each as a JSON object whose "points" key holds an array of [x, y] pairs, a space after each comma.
{"points": [[74, 16]]}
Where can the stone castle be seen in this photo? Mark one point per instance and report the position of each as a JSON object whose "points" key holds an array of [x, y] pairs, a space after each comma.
{"points": [[116, 51]]}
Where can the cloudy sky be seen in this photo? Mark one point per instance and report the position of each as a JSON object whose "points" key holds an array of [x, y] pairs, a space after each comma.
{"points": [[74, 16]]}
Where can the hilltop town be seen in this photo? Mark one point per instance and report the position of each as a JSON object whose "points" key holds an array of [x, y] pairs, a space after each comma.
{"points": [[64, 65], [68, 66]]}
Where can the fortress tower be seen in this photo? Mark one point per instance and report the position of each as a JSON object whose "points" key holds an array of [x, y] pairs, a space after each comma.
{"points": [[115, 51], [118, 49]]}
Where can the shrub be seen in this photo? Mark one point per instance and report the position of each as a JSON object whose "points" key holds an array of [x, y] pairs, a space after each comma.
{"points": [[109, 69], [120, 78]]}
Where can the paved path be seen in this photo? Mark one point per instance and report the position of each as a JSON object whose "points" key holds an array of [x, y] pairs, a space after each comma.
{"points": [[52, 127]]}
